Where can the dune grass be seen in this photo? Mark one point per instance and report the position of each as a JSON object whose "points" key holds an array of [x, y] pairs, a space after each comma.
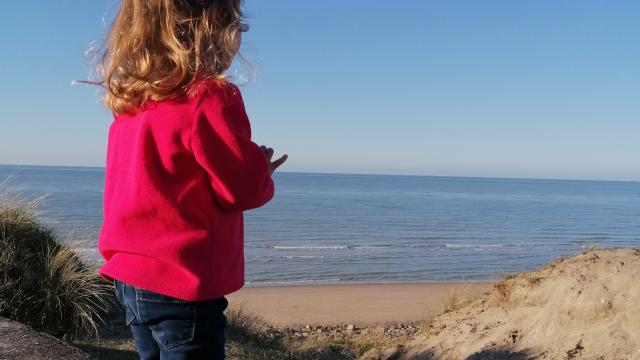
{"points": [[452, 302], [43, 283]]}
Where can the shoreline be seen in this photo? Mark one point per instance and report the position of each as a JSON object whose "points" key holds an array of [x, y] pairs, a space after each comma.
{"points": [[370, 304]]}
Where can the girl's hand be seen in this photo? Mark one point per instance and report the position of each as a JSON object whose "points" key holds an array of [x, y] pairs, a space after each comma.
{"points": [[273, 165]]}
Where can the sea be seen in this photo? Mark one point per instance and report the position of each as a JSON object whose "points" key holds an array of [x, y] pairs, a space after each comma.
{"points": [[348, 228]]}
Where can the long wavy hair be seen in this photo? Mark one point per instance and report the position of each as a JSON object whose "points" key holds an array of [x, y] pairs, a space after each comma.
{"points": [[158, 49]]}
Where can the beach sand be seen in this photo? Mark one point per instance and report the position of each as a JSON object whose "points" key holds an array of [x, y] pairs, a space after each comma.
{"points": [[583, 307], [358, 304]]}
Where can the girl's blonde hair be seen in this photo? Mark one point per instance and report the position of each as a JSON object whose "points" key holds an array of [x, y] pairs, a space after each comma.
{"points": [[158, 49]]}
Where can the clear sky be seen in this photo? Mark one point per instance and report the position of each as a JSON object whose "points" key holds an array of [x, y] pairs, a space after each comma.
{"points": [[543, 89]]}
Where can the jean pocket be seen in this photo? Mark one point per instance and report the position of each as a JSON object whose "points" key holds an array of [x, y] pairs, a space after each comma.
{"points": [[119, 288], [172, 321]]}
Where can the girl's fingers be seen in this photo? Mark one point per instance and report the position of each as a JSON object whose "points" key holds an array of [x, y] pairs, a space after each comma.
{"points": [[280, 161], [268, 152]]}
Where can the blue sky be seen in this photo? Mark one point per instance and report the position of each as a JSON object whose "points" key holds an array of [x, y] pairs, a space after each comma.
{"points": [[542, 89]]}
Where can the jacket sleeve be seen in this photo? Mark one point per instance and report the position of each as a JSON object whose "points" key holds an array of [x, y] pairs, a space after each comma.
{"points": [[221, 143]]}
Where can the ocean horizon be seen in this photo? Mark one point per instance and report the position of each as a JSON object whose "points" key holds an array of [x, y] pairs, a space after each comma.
{"points": [[338, 173], [332, 228]]}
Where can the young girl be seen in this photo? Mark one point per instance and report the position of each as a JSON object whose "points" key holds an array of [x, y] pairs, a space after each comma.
{"points": [[180, 170]]}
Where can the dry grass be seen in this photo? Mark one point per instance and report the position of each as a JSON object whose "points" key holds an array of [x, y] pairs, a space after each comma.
{"points": [[247, 331], [377, 340], [509, 276], [591, 247], [502, 289], [241, 324], [452, 302], [426, 326], [43, 283], [343, 345], [532, 279], [248, 340]]}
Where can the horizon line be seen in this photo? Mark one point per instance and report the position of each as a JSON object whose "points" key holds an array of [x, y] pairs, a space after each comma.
{"points": [[320, 172]]}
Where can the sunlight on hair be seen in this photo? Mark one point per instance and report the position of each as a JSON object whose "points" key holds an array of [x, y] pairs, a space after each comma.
{"points": [[159, 49]]}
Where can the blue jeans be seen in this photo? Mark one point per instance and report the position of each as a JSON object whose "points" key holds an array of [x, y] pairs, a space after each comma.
{"points": [[167, 328]]}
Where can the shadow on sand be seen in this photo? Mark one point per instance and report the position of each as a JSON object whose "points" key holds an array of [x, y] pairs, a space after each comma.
{"points": [[106, 353], [498, 354]]}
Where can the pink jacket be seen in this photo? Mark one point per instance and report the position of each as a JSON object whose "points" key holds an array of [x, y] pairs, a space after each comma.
{"points": [[179, 175]]}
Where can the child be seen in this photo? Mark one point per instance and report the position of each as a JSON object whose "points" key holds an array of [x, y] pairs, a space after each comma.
{"points": [[180, 170]]}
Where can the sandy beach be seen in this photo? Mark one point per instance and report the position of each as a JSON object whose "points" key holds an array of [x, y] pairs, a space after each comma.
{"points": [[358, 304]]}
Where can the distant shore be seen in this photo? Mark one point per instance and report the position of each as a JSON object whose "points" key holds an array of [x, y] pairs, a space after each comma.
{"points": [[357, 304]]}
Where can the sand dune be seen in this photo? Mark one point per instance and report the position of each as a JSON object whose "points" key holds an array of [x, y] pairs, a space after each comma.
{"points": [[585, 307]]}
